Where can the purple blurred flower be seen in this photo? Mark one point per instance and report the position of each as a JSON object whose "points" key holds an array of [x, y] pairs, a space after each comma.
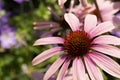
{"points": [[7, 34], [7, 37], [20, 1], [4, 19], [116, 21], [116, 32]]}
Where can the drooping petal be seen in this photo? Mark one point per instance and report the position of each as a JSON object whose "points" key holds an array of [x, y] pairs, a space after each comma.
{"points": [[101, 28], [63, 69], [107, 49], [78, 69], [54, 67], [49, 40], [45, 25], [107, 39], [52, 31], [72, 20], [92, 69], [46, 54], [106, 63], [90, 22]]}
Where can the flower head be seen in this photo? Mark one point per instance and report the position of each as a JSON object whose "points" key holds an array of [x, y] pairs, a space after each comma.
{"points": [[85, 47]]}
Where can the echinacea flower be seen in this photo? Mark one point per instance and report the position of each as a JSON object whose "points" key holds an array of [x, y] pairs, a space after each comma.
{"points": [[84, 49]]}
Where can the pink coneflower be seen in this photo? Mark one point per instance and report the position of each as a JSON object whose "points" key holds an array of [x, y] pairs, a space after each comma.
{"points": [[82, 48]]}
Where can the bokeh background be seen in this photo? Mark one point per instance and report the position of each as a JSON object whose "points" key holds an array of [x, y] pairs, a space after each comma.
{"points": [[17, 37]]}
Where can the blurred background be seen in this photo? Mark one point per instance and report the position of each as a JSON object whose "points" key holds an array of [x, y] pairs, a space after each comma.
{"points": [[17, 37]]}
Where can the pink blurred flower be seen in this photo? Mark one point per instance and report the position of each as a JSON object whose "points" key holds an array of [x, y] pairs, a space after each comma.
{"points": [[82, 46], [82, 9], [106, 7]]}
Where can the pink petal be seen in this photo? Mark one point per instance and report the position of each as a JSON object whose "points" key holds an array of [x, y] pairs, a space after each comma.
{"points": [[101, 28], [44, 25], [72, 20], [106, 63], [54, 67], [61, 2], [107, 13], [107, 49], [107, 39], [110, 6], [75, 74], [100, 3], [90, 22], [106, 5], [78, 69], [116, 5], [81, 69], [63, 70], [92, 69], [107, 16], [87, 77], [68, 75], [49, 40], [46, 54]]}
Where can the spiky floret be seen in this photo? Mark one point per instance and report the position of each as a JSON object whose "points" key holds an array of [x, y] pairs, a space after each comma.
{"points": [[77, 43]]}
